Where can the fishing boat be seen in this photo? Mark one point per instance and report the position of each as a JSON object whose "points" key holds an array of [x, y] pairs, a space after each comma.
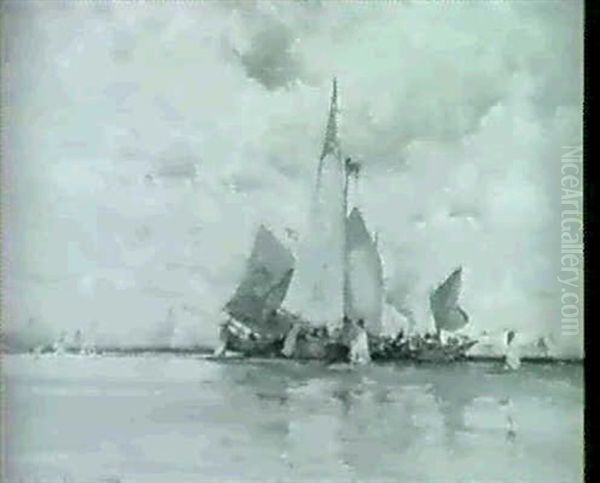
{"points": [[301, 309]]}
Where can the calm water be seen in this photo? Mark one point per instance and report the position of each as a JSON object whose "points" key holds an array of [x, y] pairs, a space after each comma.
{"points": [[165, 419]]}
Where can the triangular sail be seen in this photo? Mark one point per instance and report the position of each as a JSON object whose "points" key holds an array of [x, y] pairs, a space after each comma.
{"points": [[448, 315], [365, 300], [276, 294], [316, 293], [265, 282]]}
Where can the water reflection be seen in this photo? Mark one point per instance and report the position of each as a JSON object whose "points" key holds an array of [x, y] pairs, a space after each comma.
{"points": [[258, 416], [453, 394], [376, 424], [457, 393], [189, 420], [307, 421]]}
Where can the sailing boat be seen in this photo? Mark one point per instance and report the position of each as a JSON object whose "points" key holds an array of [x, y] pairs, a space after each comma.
{"points": [[337, 281], [449, 317], [255, 325]]}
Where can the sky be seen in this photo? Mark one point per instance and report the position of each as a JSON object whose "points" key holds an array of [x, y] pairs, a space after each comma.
{"points": [[458, 112]]}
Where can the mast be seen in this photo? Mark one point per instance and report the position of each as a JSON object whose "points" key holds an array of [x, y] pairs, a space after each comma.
{"points": [[317, 286], [331, 144], [346, 261]]}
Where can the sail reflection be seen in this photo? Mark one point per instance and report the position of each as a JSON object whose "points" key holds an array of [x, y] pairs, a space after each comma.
{"points": [[375, 423], [453, 393]]}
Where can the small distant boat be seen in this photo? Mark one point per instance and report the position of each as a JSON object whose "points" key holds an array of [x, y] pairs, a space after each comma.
{"points": [[59, 345], [306, 310]]}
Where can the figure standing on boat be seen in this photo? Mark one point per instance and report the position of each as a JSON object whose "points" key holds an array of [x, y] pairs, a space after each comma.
{"points": [[512, 361], [359, 346]]}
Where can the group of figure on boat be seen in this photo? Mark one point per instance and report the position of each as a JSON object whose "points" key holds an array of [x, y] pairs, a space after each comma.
{"points": [[283, 334]]}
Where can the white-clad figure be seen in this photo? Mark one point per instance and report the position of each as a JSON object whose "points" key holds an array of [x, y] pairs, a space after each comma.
{"points": [[542, 346], [512, 360], [223, 339], [289, 345], [359, 345], [59, 345]]}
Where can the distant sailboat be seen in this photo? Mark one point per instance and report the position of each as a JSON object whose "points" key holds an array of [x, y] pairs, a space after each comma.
{"points": [[59, 345], [76, 344]]}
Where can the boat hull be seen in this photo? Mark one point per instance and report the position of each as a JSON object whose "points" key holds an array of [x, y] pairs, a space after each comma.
{"points": [[328, 349], [443, 353]]}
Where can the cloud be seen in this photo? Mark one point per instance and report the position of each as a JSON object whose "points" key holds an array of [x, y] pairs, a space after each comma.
{"points": [[270, 59], [458, 114]]}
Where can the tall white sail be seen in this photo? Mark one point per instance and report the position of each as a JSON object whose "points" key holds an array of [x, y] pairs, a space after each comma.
{"points": [[316, 292], [365, 298], [265, 282]]}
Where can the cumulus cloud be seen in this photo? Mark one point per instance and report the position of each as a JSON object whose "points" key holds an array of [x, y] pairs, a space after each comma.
{"points": [[458, 113]]}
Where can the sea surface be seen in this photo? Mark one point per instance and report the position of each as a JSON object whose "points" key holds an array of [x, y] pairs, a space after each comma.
{"points": [[174, 419]]}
